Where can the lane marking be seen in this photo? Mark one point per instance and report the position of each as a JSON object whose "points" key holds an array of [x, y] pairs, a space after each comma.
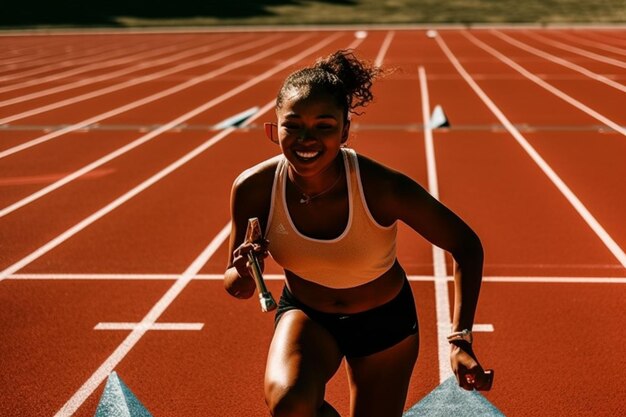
{"points": [[602, 234], [593, 44], [172, 124], [560, 61], [107, 76], [148, 326], [578, 51], [111, 58], [48, 178], [92, 383], [442, 302], [537, 80], [281, 277], [143, 79], [384, 48]]}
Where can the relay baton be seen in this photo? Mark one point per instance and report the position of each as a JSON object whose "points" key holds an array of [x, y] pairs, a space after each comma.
{"points": [[253, 233]]}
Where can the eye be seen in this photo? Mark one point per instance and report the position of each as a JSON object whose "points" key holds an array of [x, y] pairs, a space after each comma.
{"points": [[290, 126]]}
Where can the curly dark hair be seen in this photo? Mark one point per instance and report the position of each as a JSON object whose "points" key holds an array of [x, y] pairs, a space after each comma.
{"points": [[345, 77]]}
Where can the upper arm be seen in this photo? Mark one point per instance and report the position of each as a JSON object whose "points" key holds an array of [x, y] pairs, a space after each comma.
{"points": [[399, 197], [416, 207], [250, 197]]}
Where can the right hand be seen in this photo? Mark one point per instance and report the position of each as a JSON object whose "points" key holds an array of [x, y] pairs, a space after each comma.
{"points": [[241, 283]]}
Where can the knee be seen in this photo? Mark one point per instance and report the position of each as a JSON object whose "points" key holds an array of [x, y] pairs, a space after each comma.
{"points": [[289, 401]]}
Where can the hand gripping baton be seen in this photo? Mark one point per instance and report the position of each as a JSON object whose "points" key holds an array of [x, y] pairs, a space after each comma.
{"points": [[253, 233]]}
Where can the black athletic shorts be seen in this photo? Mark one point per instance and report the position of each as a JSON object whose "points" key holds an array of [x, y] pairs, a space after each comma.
{"points": [[364, 333]]}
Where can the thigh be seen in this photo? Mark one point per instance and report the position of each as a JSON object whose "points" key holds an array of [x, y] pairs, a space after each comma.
{"points": [[379, 382], [303, 356]]}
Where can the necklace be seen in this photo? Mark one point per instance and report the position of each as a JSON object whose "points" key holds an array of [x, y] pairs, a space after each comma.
{"points": [[306, 198]]}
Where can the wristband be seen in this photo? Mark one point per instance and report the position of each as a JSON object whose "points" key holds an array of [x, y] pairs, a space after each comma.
{"points": [[464, 335]]}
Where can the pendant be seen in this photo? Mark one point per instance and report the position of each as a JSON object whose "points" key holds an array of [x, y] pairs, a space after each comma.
{"points": [[305, 199]]}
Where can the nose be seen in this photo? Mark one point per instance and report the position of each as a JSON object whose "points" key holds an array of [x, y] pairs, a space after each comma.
{"points": [[304, 134]]}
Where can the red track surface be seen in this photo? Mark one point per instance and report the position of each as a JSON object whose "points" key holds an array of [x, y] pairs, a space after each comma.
{"points": [[558, 324]]}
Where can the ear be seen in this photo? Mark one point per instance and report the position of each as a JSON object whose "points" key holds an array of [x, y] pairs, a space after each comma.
{"points": [[271, 131], [346, 132]]}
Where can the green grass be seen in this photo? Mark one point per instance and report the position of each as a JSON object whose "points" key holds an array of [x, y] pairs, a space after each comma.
{"points": [[312, 12]]}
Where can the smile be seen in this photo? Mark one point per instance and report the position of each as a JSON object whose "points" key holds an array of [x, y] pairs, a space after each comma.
{"points": [[306, 155]]}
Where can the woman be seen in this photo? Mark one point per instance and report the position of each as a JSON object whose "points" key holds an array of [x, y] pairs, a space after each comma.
{"points": [[330, 219]]}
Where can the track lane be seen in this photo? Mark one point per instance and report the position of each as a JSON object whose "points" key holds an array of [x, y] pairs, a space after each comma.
{"points": [[575, 159]]}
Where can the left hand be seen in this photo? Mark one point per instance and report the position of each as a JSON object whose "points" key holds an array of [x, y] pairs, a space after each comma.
{"points": [[469, 374]]}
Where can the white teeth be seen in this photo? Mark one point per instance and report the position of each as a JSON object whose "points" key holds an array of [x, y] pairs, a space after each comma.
{"points": [[307, 155]]}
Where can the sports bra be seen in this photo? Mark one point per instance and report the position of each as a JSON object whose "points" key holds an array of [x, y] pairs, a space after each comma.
{"points": [[363, 252]]}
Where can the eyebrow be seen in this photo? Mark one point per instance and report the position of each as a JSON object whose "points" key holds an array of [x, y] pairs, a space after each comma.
{"points": [[321, 116]]}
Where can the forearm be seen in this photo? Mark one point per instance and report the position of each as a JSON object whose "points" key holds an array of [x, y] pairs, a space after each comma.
{"points": [[467, 282]]}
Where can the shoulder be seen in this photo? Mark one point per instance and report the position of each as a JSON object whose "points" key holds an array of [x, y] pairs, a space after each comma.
{"points": [[389, 192], [378, 177], [259, 175], [252, 190]]}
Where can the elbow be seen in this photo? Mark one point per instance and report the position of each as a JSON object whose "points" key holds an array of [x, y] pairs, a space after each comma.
{"points": [[470, 249]]}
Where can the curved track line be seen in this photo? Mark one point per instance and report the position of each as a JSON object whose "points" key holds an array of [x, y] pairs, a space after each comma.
{"points": [[602, 234], [593, 44], [567, 98], [560, 61], [578, 51]]}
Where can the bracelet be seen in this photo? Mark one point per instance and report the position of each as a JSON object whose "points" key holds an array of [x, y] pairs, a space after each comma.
{"points": [[464, 335]]}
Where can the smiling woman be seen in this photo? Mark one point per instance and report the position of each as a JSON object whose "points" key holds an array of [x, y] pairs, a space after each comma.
{"points": [[330, 219]]}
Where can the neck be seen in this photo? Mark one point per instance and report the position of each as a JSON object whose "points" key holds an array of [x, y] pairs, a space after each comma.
{"points": [[313, 187]]}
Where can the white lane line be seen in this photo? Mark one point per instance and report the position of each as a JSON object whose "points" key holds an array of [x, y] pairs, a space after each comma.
{"points": [[143, 64], [567, 98], [124, 149], [170, 168], [111, 206], [93, 63], [135, 81], [280, 277], [560, 61], [578, 51], [594, 44], [442, 302], [149, 326], [384, 48], [74, 403], [602, 234], [59, 61], [485, 328]]}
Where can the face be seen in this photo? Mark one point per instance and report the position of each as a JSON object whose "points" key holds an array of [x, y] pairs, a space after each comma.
{"points": [[311, 130]]}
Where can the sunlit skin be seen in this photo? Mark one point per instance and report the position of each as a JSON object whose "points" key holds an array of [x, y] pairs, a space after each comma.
{"points": [[311, 129]]}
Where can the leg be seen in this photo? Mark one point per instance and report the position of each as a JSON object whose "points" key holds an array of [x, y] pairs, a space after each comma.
{"points": [[379, 383], [302, 358]]}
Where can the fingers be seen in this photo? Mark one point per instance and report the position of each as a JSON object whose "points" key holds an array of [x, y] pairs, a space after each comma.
{"points": [[475, 379]]}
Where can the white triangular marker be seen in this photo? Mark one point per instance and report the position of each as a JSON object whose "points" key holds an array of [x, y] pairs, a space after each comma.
{"points": [[237, 119], [118, 400], [438, 118], [448, 399]]}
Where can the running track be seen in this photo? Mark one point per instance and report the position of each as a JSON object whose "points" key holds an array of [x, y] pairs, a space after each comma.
{"points": [[114, 199]]}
